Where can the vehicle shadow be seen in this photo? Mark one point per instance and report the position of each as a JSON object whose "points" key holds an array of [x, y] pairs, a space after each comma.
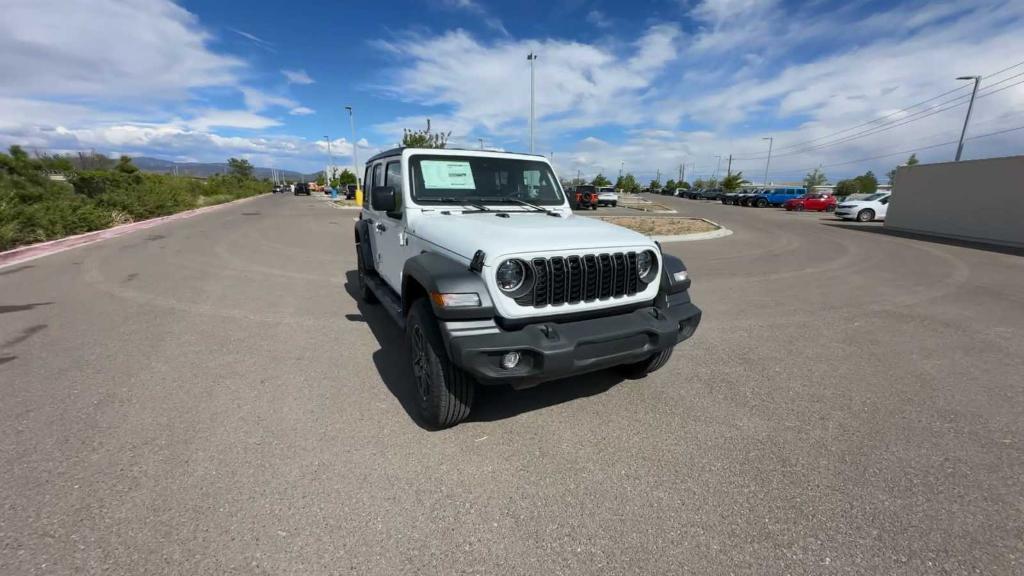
{"points": [[880, 229], [492, 403]]}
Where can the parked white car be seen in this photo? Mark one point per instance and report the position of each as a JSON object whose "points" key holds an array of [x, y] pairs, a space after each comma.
{"points": [[607, 197], [870, 208]]}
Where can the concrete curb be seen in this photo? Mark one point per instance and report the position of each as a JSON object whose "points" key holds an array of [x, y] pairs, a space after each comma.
{"points": [[33, 251], [722, 232]]}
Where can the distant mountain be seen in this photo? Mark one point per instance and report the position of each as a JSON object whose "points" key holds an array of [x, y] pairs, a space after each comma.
{"points": [[206, 169]]}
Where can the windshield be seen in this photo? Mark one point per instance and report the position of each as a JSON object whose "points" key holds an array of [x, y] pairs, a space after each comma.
{"points": [[607, 190], [875, 197], [455, 179]]}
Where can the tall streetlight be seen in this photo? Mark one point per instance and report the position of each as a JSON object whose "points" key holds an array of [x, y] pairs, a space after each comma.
{"points": [[771, 141], [532, 58], [481, 143], [977, 81], [718, 165], [355, 155], [330, 162]]}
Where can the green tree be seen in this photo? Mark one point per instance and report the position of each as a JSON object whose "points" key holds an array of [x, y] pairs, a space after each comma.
{"points": [[699, 183], [671, 186], [240, 167], [628, 183], [600, 180], [684, 185], [815, 178], [867, 183], [424, 139], [654, 185], [847, 187], [320, 178], [125, 166], [734, 181], [910, 162], [345, 178]]}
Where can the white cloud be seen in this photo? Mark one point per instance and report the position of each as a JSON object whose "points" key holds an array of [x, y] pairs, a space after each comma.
{"points": [[297, 77], [301, 111], [488, 85], [599, 19], [268, 46], [258, 100], [231, 119], [150, 50]]}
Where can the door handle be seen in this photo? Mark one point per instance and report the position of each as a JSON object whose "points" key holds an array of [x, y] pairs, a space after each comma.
{"points": [[381, 227]]}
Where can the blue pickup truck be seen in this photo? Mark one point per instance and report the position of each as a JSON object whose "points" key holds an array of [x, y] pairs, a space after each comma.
{"points": [[775, 196]]}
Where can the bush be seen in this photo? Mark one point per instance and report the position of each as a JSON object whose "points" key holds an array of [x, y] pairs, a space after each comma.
{"points": [[34, 208]]}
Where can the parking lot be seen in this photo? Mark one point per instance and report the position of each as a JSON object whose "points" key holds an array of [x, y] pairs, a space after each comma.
{"points": [[207, 396]]}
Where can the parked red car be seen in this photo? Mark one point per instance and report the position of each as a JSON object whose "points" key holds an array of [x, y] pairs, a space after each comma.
{"points": [[816, 202]]}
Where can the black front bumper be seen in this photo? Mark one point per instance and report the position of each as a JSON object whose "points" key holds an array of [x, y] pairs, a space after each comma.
{"points": [[552, 350]]}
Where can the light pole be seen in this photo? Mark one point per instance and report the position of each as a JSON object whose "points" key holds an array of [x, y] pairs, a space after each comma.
{"points": [[718, 164], [330, 162], [771, 141], [977, 81], [355, 155], [532, 58], [481, 143]]}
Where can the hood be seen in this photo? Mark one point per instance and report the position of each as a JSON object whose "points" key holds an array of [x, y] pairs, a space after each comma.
{"points": [[521, 233]]}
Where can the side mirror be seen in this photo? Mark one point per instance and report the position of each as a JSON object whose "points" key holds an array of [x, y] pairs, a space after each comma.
{"points": [[383, 199]]}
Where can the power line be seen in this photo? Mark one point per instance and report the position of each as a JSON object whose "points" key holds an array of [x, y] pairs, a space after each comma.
{"points": [[896, 113], [920, 115], [909, 151]]}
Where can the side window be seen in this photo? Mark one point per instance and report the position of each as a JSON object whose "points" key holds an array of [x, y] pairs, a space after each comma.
{"points": [[884, 200], [393, 178], [367, 186]]}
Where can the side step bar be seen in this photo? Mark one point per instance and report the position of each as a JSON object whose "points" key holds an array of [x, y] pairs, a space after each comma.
{"points": [[388, 299]]}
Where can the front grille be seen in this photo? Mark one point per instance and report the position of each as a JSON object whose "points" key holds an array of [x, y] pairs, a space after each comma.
{"points": [[573, 279]]}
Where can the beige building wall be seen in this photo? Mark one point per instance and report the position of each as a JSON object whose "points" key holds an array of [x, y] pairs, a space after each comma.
{"points": [[981, 200]]}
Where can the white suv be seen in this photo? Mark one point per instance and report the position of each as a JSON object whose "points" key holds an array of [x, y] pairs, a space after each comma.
{"points": [[479, 257], [872, 207], [606, 196]]}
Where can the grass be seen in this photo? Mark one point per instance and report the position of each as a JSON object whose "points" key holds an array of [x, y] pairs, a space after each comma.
{"points": [[662, 226]]}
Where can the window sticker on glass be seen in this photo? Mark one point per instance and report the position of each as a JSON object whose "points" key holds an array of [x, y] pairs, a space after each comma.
{"points": [[449, 175]]}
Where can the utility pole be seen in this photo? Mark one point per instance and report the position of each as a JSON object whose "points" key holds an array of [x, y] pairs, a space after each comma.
{"points": [[481, 143], [621, 165], [718, 167], [579, 175], [977, 81], [771, 141], [330, 162], [658, 177], [355, 155], [728, 171], [532, 58], [682, 172]]}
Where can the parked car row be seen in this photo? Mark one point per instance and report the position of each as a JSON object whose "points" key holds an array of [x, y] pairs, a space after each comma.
{"points": [[860, 207]]}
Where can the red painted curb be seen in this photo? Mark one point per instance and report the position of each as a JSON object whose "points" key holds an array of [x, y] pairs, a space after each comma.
{"points": [[33, 251]]}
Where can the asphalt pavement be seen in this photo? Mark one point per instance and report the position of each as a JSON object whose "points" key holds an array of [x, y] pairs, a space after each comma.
{"points": [[207, 397]]}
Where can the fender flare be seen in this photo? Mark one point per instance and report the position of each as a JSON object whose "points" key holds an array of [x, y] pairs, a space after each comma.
{"points": [[441, 274], [363, 247]]}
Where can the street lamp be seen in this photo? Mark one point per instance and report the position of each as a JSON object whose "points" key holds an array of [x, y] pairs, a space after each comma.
{"points": [[977, 81], [481, 143], [532, 58], [771, 140], [355, 155]]}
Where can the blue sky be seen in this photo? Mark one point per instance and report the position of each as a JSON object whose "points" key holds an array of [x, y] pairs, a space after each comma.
{"points": [[643, 85]]}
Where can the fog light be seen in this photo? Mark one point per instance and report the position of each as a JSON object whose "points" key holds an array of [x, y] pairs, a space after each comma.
{"points": [[510, 360], [681, 276]]}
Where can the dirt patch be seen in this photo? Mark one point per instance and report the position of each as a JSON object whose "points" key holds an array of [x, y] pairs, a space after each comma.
{"points": [[662, 226], [347, 203]]}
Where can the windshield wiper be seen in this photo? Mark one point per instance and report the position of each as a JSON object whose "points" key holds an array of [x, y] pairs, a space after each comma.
{"points": [[464, 202], [504, 200]]}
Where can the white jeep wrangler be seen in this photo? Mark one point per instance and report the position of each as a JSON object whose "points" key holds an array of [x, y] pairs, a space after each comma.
{"points": [[481, 260]]}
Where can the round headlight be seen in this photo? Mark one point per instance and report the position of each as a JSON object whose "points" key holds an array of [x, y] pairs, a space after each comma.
{"points": [[645, 265], [510, 275]]}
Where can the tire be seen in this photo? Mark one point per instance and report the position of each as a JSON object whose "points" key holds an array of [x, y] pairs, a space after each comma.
{"points": [[800, 208], [643, 368], [593, 206], [443, 391], [830, 208], [761, 202], [866, 215], [614, 204], [365, 294]]}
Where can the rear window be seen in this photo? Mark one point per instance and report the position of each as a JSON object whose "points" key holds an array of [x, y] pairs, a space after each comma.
{"points": [[585, 188]]}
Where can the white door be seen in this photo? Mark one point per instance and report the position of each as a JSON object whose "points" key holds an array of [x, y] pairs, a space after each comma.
{"points": [[388, 228]]}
